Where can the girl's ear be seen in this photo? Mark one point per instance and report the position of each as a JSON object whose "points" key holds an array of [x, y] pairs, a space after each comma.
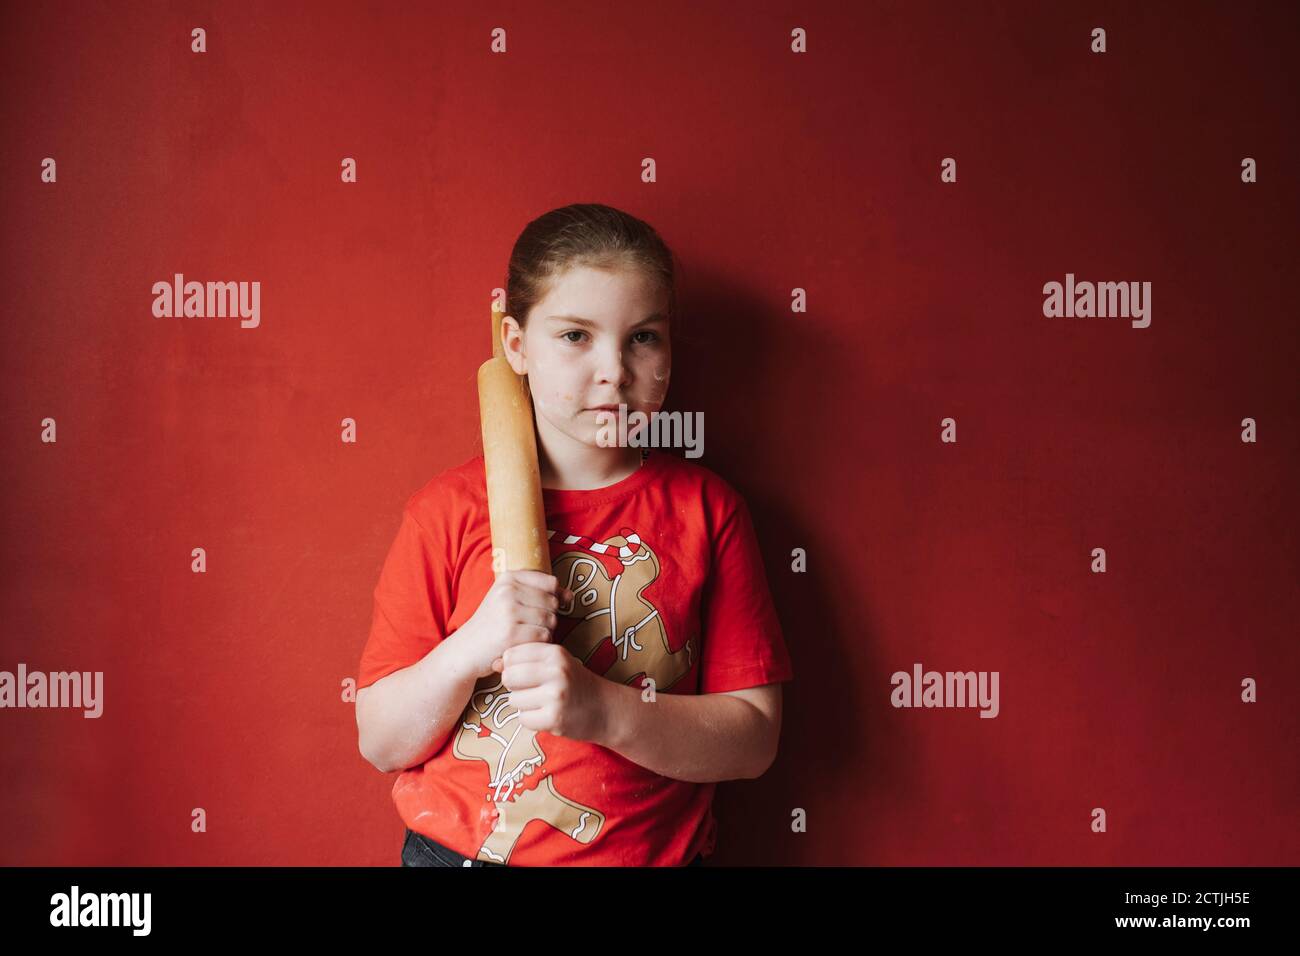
{"points": [[512, 343]]}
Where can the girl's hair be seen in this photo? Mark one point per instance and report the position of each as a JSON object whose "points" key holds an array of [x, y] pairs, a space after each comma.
{"points": [[584, 234]]}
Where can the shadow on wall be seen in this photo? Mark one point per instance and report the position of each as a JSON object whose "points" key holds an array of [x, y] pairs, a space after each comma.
{"points": [[779, 397]]}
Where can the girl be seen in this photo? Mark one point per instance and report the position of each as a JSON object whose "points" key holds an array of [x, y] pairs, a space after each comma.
{"points": [[581, 717]]}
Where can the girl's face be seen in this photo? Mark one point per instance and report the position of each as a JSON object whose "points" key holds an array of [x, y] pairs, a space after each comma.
{"points": [[598, 338]]}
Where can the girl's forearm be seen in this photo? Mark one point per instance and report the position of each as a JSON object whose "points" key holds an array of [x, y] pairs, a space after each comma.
{"points": [[701, 738], [405, 718]]}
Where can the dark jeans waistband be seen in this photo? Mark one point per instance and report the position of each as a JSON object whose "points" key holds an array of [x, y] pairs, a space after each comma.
{"points": [[419, 850]]}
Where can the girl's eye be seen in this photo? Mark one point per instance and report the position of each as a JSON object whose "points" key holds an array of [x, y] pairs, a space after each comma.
{"points": [[650, 336]]}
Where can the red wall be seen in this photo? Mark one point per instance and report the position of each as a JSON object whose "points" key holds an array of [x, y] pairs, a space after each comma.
{"points": [[775, 170]]}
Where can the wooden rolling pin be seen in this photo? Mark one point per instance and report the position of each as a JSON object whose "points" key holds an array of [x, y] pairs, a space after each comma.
{"points": [[514, 481]]}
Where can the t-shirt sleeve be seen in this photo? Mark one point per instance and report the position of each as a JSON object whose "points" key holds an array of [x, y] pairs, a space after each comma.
{"points": [[413, 599], [743, 645]]}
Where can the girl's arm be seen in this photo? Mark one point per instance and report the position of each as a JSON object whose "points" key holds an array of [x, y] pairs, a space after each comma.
{"points": [[701, 738], [405, 718]]}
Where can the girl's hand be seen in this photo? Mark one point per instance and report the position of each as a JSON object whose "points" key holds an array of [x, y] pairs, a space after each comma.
{"points": [[520, 607], [554, 692]]}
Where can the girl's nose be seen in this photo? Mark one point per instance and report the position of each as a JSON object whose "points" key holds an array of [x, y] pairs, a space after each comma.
{"points": [[611, 368]]}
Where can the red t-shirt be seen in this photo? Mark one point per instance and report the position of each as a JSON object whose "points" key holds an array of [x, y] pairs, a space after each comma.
{"points": [[674, 546]]}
